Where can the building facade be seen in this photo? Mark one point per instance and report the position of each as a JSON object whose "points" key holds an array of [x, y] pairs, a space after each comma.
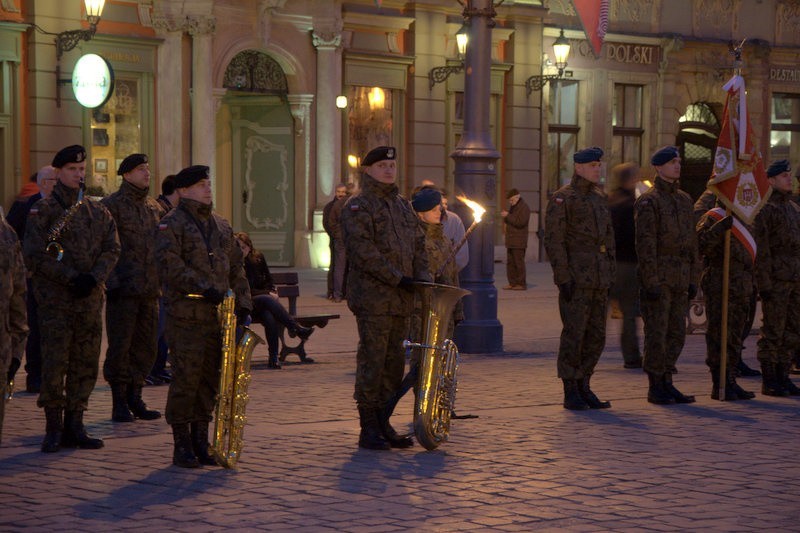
{"points": [[249, 87]]}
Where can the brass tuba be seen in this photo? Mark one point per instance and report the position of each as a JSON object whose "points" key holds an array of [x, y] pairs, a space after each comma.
{"points": [[229, 415], [437, 381]]}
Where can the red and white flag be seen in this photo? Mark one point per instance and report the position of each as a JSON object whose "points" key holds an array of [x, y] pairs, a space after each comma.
{"points": [[594, 18], [739, 179]]}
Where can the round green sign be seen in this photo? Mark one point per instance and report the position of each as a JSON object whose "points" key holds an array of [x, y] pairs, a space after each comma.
{"points": [[92, 80]]}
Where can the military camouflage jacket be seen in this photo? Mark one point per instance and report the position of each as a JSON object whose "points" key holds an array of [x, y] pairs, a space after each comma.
{"points": [[90, 243], [187, 265], [666, 242], [579, 237], [13, 317], [384, 242], [136, 216], [777, 234], [711, 241]]}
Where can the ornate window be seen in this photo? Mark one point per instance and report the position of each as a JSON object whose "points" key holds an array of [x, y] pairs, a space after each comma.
{"points": [[255, 72]]}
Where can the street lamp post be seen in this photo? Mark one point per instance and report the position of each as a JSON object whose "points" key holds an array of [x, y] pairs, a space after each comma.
{"points": [[476, 176]]}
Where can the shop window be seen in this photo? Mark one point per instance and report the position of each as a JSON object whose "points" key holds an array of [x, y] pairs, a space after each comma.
{"points": [[369, 124], [116, 133], [784, 135], [627, 124], [697, 142], [562, 133]]}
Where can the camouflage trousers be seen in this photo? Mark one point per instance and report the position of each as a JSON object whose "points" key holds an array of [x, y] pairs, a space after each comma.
{"points": [[780, 330], [583, 336], [380, 359], [131, 329], [195, 351], [70, 356], [664, 329], [5, 361], [740, 293]]}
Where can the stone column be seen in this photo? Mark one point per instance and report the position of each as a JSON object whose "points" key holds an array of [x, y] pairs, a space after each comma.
{"points": [[329, 117], [203, 108], [169, 98], [300, 107]]}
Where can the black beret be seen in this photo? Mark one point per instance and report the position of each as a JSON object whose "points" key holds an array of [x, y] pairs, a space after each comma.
{"points": [[71, 154], [131, 162], [191, 175], [378, 154], [664, 155], [425, 200], [778, 167], [511, 192], [588, 155]]}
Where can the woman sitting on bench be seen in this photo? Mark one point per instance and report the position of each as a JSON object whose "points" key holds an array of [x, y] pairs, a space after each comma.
{"points": [[267, 308]]}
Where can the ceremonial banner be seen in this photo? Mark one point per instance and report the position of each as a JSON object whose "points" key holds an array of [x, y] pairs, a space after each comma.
{"points": [[739, 179], [594, 18]]}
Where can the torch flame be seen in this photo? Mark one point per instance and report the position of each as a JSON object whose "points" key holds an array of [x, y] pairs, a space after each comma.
{"points": [[477, 209]]}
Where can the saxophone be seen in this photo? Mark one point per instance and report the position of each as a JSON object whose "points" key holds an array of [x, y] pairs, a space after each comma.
{"points": [[54, 248], [437, 381], [229, 415]]}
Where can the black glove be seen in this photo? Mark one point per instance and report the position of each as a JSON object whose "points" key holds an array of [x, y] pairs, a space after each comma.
{"points": [[243, 317], [724, 224], [653, 294], [406, 284], [692, 291], [567, 290], [82, 285], [765, 295], [213, 296], [113, 294]]}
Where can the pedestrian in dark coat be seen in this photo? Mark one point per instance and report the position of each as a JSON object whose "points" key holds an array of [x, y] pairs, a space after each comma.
{"points": [[579, 240], [516, 221], [386, 250], [669, 269]]}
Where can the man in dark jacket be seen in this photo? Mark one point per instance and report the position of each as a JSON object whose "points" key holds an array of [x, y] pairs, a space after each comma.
{"points": [[516, 224], [386, 249]]}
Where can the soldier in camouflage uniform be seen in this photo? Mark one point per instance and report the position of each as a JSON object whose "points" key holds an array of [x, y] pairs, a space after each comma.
{"points": [[69, 293], [13, 316], [386, 250], [197, 255], [711, 230], [579, 239], [777, 233], [669, 268], [132, 292]]}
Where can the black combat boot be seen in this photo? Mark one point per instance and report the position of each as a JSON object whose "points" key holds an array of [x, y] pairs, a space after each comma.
{"points": [[200, 444], [183, 454], [75, 435], [53, 429], [370, 436], [119, 403], [590, 397], [770, 386], [736, 388], [572, 396], [395, 439], [657, 394], [782, 377], [745, 371], [675, 393], [273, 362], [137, 405]]}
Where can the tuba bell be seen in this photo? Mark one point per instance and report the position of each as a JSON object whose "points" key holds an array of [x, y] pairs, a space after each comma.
{"points": [[229, 415], [438, 364]]}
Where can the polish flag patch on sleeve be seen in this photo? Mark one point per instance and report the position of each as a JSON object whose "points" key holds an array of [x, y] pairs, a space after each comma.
{"points": [[33, 211], [162, 226]]}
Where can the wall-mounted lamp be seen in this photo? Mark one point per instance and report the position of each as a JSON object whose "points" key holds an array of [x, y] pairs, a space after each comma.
{"points": [[341, 102], [440, 74], [376, 98], [67, 40], [551, 71]]}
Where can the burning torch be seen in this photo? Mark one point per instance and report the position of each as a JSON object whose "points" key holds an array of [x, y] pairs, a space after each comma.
{"points": [[477, 213]]}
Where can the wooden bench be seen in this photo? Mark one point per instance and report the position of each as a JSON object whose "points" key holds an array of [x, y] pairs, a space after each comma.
{"points": [[288, 287]]}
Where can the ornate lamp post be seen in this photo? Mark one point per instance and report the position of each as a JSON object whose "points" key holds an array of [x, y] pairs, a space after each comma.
{"points": [[476, 176]]}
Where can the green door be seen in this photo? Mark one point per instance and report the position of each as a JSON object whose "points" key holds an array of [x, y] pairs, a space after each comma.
{"points": [[262, 135]]}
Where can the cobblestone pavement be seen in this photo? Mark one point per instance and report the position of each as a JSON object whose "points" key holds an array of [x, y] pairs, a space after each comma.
{"points": [[525, 464]]}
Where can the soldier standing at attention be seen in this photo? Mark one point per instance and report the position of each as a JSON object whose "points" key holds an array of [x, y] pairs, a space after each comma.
{"points": [[70, 248], [777, 233], [579, 240], [669, 267], [13, 317], [196, 254], [132, 292], [386, 249]]}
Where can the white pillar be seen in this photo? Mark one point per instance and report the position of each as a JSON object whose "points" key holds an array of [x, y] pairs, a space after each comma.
{"points": [[203, 107], [329, 118], [170, 149]]}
